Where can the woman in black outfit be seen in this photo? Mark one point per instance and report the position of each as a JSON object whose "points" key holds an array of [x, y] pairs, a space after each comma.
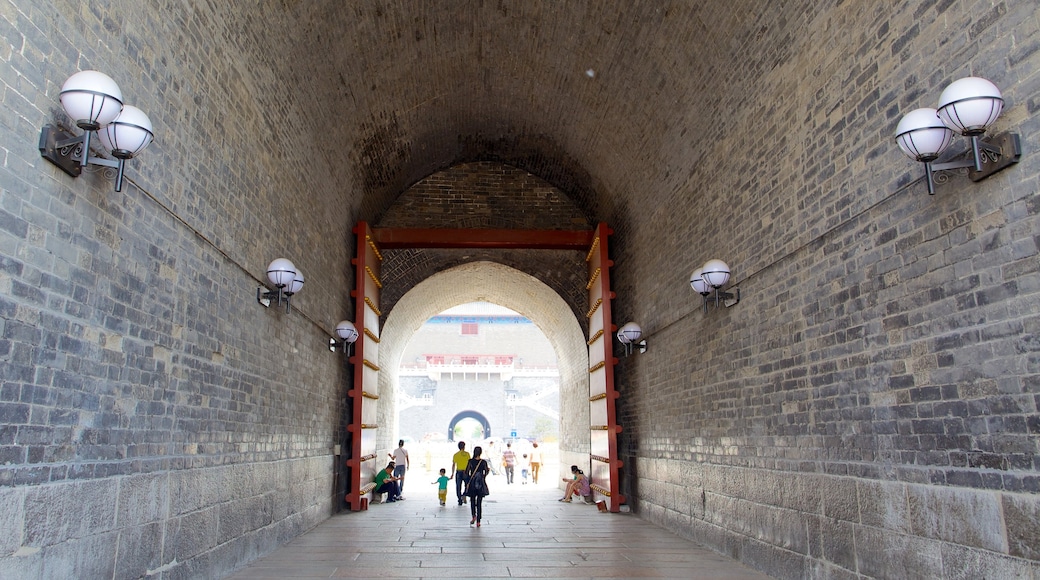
{"points": [[477, 470]]}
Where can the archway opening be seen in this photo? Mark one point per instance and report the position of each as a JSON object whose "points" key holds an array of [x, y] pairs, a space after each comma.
{"points": [[493, 283], [468, 426]]}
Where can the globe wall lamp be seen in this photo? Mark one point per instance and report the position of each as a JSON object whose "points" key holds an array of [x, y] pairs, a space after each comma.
{"points": [[287, 280], [711, 277], [94, 101], [629, 336], [347, 334], [967, 106]]}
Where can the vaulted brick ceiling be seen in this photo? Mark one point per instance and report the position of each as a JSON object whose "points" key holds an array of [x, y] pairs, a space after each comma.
{"points": [[592, 97]]}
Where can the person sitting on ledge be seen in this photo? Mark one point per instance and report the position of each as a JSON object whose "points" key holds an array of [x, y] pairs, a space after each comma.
{"points": [[579, 485], [387, 483]]}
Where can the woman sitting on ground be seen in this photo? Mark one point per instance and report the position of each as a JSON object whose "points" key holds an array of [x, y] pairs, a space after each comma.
{"points": [[578, 485]]}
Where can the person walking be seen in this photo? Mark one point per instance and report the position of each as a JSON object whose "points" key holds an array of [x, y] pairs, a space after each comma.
{"points": [[459, 461], [442, 487], [400, 456], [536, 461], [477, 488], [492, 457], [525, 468], [509, 462]]}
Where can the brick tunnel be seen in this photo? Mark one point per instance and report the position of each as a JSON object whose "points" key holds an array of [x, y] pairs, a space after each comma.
{"points": [[869, 408]]}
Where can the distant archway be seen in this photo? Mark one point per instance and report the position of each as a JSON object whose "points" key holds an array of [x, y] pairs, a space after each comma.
{"points": [[478, 417], [513, 289]]}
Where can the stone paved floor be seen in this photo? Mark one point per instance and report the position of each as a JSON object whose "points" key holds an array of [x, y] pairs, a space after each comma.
{"points": [[526, 533]]}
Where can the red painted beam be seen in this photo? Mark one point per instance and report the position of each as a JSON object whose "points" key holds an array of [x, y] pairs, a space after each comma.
{"points": [[400, 238]]}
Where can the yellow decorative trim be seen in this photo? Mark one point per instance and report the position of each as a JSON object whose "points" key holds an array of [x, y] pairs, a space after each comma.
{"points": [[598, 397], [372, 275], [372, 306], [370, 364], [375, 250], [368, 395], [595, 276], [371, 335], [369, 426], [600, 489], [600, 459], [595, 244], [600, 428], [598, 366], [589, 314], [595, 337], [368, 457]]}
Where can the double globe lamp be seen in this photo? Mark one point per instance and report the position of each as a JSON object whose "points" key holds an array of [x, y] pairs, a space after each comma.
{"points": [[968, 107], [93, 100]]}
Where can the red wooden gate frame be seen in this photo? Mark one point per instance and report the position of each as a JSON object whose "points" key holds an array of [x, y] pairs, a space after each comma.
{"points": [[361, 463], [606, 466]]}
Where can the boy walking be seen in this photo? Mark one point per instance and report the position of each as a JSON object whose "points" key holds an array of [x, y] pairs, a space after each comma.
{"points": [[442, 486]]}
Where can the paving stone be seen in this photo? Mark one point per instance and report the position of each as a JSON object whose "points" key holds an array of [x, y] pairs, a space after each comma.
{"points": [[526, 533]]}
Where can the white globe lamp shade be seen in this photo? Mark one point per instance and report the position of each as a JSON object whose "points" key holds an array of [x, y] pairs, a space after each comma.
{"points": [[630, 331], [92, 99], [970, 105], [621, 337], [297, 283], [697, 282], [281, 272], [346, 331], [716, 273], [922, 136], [128, 134]]}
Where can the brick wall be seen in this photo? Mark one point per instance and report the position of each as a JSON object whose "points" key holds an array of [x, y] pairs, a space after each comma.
{"points": [[156, 419], [485, 195], [869, 409]]}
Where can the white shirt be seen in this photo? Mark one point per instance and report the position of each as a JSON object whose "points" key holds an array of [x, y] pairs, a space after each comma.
{"points": [[401, 457]]}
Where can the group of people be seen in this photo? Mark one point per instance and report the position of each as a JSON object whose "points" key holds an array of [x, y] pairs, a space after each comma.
{"points": [[470, 474], [528, 463], [390, 480]]}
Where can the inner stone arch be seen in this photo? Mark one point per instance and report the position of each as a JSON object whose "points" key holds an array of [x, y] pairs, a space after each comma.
{"points": [[513, 289], [468, 414]]}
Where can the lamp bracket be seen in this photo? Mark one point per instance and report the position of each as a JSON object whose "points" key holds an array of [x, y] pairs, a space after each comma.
{"points": [[335, 345], [66, 151], [633, 347], [62, 149], [728, 299], [265, 297], [998, 153]]}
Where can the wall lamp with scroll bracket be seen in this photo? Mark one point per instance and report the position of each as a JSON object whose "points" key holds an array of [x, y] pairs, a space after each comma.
{"points": [[347, 334], [287, 280], [967, 106], [629, 336], [710, 277], [93, 100]]}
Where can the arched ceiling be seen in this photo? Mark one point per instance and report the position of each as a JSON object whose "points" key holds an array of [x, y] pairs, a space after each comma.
{"points": [[591, 97]]}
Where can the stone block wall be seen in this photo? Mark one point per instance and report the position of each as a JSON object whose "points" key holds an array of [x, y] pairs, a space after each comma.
{"points": [[154, 419], [870, 407]]}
